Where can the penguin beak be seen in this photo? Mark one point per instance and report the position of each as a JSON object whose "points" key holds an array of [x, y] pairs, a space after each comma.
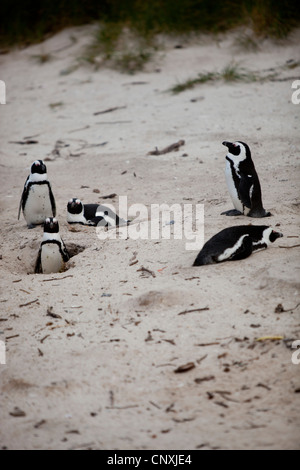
{"points": [[277, 235], [227, 144]]}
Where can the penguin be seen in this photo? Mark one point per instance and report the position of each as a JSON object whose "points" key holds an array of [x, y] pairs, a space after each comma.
{"points": [[242, 181], [92, 214], [37, 201], [235, 243], [53, 253]]}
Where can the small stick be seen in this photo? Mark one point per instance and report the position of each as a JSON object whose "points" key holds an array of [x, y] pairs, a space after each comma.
{"points": [[57, 278], [43, 339], [293, 246], [201, 309], [147, 271], [109, 110], [170, 148], [109, 196], [134, 262], [29, 303], [121, 407]]}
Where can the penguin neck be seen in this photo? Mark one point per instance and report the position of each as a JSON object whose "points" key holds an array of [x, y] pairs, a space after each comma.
{"points": [[76, 217], [37, 177], [235, 159], [51, 236], [264, 241]]}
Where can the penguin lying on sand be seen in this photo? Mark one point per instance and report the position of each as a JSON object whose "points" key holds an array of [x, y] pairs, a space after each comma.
{"points": [[235, 243], [92, 214], [37, 201], [242, 181], [53, 253]]}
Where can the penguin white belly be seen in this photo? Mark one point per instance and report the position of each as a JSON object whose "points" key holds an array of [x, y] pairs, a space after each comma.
{"points": [[51, 259], [232, 189], [38, 205]]}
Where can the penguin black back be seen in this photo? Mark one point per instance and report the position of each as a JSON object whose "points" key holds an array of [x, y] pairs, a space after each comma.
{"points": [[92, 214], [235, 243]]}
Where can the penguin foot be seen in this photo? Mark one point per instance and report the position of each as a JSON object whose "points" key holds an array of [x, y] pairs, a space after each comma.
{"points": [[232, 212], [259, 214]]}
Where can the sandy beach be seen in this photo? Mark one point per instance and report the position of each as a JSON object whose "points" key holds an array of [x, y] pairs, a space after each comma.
{"points": [[92, 354]]}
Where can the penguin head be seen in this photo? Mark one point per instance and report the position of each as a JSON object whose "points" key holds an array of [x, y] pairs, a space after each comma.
{"points": [[238, 150], [51, 225], [273, 235], [75, 206], [38, 167], [268, 235]]}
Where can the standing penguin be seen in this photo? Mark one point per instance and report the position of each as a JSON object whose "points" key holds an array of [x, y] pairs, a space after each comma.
{"points": [[242, 181], [92, 214], [235, 243], [53, 253], [37, 201]]}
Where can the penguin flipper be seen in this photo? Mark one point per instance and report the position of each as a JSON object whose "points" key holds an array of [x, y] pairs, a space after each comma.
{"points": [[52, 200], [23, 198], [244, 250], [38, 264], [20, 207], [64, 253]]}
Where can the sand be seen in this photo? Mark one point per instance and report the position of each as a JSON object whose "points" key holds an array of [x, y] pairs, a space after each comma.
{"points": [[100, 372]]}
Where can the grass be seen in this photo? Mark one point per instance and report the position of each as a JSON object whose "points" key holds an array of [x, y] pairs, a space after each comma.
{"points": [[126, 36], [231, 73], [55, 105], [42, 58], [119, 47], [234, 73], [27, 21]]}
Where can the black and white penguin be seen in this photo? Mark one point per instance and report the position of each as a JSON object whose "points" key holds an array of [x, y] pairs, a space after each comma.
{"points": [[37, 201], [235, 243], [92, 214], [242, 181], [53, 253]]}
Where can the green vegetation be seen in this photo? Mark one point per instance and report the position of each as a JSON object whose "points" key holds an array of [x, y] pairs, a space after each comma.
{"points": [[27, 21], [234, 73], [128, 29], [231, 73], [120, 48]]}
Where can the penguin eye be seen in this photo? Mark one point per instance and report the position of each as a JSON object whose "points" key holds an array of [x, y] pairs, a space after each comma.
{"points": [[77, 201]]}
